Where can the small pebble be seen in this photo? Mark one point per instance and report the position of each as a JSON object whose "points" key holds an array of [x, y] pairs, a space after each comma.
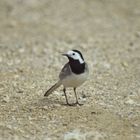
{"points": [[45, 107], [6, 99], [129, 101]]}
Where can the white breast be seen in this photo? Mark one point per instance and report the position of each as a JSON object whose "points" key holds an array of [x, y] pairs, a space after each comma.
{"points": [[74, 80]]}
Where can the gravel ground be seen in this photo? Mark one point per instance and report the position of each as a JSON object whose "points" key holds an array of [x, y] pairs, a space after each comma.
{"points": [[34, 33]]}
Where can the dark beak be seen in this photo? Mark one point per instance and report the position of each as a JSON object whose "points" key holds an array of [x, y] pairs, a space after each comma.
{"points": [[64, 54]]}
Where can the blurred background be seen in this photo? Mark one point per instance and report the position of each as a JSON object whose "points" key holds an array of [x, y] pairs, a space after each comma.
{"points": [[34, 33], [48, 27]]}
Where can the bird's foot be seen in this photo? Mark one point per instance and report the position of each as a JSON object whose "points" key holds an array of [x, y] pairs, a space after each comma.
{"points": [[71, 104], [75, 104], [80, 104]]}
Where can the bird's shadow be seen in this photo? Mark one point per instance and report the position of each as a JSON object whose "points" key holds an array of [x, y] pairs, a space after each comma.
{"points": [[48, 102]]}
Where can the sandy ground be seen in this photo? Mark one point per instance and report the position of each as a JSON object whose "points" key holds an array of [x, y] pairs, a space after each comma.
{"points": [[34, 33]]}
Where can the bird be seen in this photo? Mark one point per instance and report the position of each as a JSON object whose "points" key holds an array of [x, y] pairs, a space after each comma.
{"points": [[73, 74]]}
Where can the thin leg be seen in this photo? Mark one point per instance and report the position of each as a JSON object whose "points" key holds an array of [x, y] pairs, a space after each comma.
{"points": [[76, 97], [64, 90]]}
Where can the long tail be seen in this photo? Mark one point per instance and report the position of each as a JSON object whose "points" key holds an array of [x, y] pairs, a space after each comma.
{"points": [[48, 92]]}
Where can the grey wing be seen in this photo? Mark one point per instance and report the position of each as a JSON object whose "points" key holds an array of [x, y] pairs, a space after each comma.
{"points": [[66, 71]]}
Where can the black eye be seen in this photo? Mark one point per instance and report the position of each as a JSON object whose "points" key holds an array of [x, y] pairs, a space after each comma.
{"points": [[73, 53]]}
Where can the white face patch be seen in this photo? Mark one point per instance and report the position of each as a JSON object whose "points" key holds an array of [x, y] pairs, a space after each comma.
{"points": [[75, 56]]}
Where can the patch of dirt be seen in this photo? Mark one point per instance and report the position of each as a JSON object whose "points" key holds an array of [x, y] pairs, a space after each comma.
{"points": [[33, 34]]}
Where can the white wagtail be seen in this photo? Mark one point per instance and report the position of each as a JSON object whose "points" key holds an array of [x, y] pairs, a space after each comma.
{"points": [[73, 74]]}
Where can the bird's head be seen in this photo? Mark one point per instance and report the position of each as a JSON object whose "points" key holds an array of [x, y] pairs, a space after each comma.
{"points": [[75, 55]]}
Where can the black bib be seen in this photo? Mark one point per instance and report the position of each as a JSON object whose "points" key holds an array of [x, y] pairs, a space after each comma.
{"points": [[76, 66]]}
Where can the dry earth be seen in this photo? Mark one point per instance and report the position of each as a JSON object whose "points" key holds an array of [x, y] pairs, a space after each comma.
{"points": [[34, 33]]}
